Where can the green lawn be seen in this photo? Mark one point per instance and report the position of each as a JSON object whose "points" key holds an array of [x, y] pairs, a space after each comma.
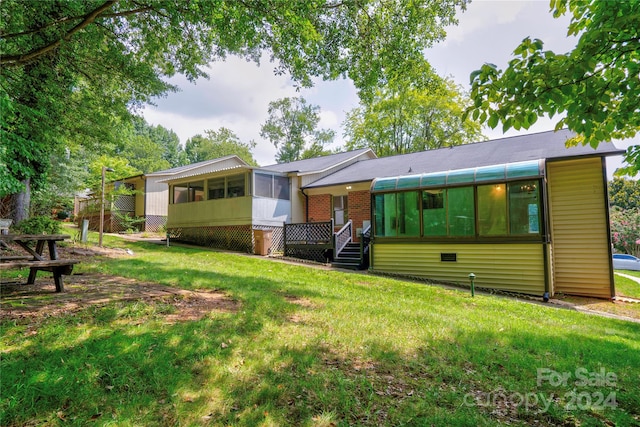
{"points": [[627, 287], [315, 347]]}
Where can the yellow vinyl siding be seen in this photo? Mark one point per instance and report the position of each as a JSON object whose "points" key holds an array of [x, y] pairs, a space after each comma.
{"points": [[235, 211], [579, 228], [510, 267]]}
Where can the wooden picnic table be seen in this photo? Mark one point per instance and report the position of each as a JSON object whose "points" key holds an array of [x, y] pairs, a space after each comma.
{"points": [[34, 257]]}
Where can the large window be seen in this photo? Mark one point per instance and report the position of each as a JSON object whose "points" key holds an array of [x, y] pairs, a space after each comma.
{"points": [[272, 186], [235, 186], [524, 208], [408, 213], [385, 215], [180, 194], [191, 192], [215, 188], [196, 191], [229, 186], [492, 210], [460, 212], [434, 214], [502, 209], [397, 214]]}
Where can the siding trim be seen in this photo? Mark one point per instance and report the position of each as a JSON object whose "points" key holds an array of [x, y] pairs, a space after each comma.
{"points": [[608, 220], [580, 241]]}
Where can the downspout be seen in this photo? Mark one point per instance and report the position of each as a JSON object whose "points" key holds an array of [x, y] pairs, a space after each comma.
{"points": [[546, 233], [306, 205], [608, 220]]}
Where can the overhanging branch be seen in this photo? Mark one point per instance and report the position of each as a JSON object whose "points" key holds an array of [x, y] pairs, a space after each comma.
{"points": [[14, 60]]}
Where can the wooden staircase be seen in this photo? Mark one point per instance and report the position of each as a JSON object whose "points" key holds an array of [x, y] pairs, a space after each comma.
{"points": [[349, 254], [349, 257]]}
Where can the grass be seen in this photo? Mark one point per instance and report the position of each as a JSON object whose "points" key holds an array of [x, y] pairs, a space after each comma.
{"points": [[314, 347], [627, 287]]}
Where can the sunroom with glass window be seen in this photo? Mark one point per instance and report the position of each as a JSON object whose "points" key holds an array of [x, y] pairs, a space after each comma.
{"points": [[444, 225]]}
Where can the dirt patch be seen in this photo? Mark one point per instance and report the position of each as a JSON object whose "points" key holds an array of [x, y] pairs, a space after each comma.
{"points": [[303, 302], [20, 301]]}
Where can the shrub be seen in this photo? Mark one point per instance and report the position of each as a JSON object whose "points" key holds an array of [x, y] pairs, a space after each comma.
{"points": [[625, 230], [39, 225]]}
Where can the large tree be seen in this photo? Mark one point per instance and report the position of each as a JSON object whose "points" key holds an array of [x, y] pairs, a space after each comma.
{"points": [[67, 67], [595, 86], [167, 141], [624, 193], [411, 113], [220, 143], [292, 126]]}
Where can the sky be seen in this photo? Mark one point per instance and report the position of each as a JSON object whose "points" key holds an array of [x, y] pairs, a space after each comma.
{"points": [[238, 92]]}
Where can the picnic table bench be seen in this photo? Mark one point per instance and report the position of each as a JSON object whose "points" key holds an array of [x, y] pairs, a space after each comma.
{"points": [[35, 260]]}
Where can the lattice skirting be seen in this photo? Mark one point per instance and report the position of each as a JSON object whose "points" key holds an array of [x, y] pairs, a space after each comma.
{"points": [[154, 222], [111, 224], [310, 253], [277, 240], [232, 237]]}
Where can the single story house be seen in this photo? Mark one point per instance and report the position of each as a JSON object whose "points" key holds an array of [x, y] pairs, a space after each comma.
{"points": [[229, 207], [524, 214], [149, 201]]}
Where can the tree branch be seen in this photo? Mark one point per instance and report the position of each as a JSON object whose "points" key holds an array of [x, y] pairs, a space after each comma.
{"points": [[13, 60]]}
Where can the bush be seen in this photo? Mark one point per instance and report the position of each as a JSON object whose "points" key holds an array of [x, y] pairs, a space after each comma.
{"points": [[39, 225], [625, 230]]}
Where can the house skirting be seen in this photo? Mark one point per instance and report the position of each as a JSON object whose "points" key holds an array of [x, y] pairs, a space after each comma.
{"points": [[155, 222], [239, 238]]}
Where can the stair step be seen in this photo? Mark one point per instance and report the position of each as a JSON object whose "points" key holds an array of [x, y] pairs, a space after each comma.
{"points": [[349, 266]]}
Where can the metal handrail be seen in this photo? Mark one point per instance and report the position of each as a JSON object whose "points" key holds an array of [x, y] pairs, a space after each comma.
{"points": [[343, 237], [365, 238]]}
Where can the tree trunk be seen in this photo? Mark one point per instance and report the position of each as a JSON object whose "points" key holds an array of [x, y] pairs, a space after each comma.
{"points": [[22, 202]]}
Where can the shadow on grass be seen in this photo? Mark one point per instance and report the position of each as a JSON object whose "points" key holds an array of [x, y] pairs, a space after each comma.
{"points": [[117, 365]]}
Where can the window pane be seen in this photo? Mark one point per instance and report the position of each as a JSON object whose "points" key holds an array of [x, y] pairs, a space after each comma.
{"points": [[524, 207], [461, 214], [492, 210], [408, 214], [235, 186], [180, 194], [385, 214], [216, 188], [281, 189], [434, 215], [196, 191], [264, 185], [339, 210]]}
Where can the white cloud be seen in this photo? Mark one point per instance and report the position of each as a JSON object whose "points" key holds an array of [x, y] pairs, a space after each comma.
{"points": [[479, 15], [238, 93]]}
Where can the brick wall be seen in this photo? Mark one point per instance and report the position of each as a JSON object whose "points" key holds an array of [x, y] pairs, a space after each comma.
{"points": [[320, 208], [359, 209]]}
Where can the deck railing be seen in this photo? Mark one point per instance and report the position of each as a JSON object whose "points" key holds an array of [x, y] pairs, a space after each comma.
{"points": [[309, 240], [365, 239], [342, 237]]}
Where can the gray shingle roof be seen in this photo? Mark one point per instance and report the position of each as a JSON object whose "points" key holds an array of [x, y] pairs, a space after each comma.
{"points": [[316, 164], [543, 145]]}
